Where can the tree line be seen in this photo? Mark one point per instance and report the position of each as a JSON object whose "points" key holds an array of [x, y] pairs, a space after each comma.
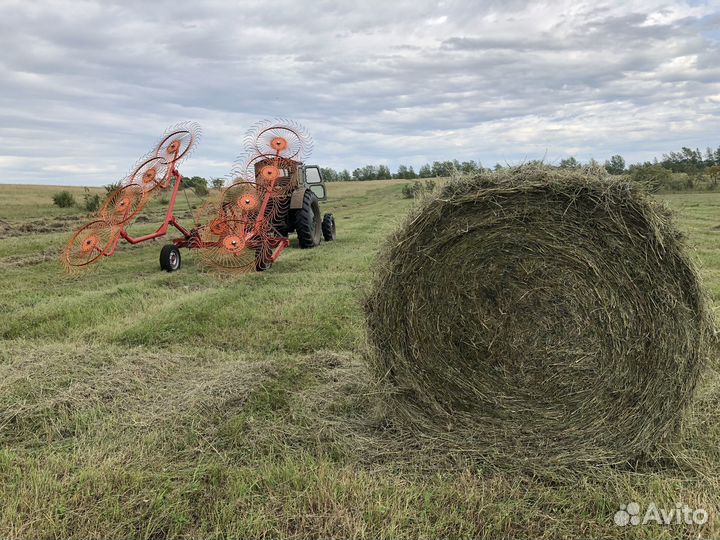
{"points": [[698, 166], [686, 168], [686, 160], [405, 172]]}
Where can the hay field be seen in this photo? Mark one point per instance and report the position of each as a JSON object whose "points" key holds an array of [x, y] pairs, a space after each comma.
{"points": [[139, 403]]}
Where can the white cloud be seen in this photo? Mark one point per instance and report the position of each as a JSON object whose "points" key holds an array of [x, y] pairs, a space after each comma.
{"points": [[437, 20], [88, 86]]}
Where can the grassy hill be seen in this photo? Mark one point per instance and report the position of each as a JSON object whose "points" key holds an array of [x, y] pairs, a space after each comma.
{"points": [[136, 403]]}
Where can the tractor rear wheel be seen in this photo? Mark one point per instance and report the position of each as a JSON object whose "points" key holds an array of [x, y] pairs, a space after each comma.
{"points": [[307, 222], [170, 258], [328, 227]]}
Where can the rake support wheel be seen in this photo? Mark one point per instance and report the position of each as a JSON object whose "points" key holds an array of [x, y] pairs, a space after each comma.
{"points": [[170, 259]]}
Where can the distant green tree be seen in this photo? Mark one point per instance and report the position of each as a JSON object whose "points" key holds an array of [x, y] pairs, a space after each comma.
{"points": [[218, 183], [344, 176], [615, 165], [383, 172], [197, 183], [714, 176], [425, 171], [653, 176], [190, 182], [368, 172], [686, 160], [569, 163], [469, 167], [709, 157], [329, 174], [444, 168]]}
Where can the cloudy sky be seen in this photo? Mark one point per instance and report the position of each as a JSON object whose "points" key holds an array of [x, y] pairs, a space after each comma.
{"points": [[87, 87]]}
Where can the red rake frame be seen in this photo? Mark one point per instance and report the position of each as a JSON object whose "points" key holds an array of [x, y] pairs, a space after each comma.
{"points": [[116, 225], [188, 235]]}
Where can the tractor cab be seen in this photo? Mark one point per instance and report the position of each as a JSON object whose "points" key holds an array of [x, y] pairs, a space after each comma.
{"points": [[312, 178], [294, 174]]}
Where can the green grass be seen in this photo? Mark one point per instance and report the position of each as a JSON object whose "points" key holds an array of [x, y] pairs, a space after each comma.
{"points": [[136, 403]]}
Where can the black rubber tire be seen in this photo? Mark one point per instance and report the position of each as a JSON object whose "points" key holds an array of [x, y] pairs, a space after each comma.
{"points": [[328, 227], [170, 259], [307, 222]]}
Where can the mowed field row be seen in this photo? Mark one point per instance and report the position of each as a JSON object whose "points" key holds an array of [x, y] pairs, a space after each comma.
{"points": [[308, 301], [139, 403]]}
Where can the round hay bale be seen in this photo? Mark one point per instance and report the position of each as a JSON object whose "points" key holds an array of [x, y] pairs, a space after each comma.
{"points": [[539, 313]]}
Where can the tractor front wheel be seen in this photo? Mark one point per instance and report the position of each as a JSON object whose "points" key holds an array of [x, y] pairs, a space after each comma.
{"points": [[328, 227], [307, 222], [170, 258]]}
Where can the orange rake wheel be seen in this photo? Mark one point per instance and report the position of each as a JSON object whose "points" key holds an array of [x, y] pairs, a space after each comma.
{"points": [[269, 173], [178, 141], [88, 244], [274, 175], [123, 205], [226, 246], [150, 174], [241, 199], [244, 200], [279, 137]]}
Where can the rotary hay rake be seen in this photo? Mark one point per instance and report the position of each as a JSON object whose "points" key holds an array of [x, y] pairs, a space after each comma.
{"points": [[245, 230]]}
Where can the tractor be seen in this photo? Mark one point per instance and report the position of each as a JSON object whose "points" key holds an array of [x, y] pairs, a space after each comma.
{"points": [[302, 213]]}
